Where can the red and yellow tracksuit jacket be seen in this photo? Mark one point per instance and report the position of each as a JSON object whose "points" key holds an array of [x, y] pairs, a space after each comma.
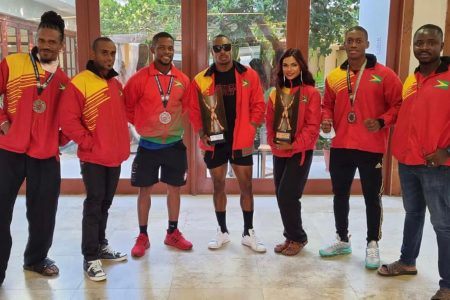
{"points": [[378, 97], [32, 133], [308, 121], [249, 105], [92, 113], [423, 123], [144, 104]]}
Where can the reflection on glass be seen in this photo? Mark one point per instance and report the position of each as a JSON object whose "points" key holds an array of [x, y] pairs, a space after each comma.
{"points": [[257, 30]]}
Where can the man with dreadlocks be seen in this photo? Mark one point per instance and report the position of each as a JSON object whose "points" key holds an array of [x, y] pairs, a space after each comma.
{"points": [[31, 84]]}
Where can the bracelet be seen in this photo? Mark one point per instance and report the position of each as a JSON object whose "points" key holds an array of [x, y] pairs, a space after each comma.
{"points": [[4, 122]]}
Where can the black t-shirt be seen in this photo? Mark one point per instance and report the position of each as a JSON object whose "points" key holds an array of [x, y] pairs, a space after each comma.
{"points": [[227, 82]]}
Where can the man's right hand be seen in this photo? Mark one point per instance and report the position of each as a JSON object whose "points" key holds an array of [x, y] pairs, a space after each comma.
{"points": [[205, 140], [326, 125], [4, 128]]}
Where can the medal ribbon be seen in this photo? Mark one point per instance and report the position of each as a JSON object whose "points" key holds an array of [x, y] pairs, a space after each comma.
{"points": [[352, 96], [164, 98], [40, 86]]}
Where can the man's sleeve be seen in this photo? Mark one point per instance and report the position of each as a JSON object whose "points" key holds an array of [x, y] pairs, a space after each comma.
{"points": [[71, 117], [194, 107], [257, 105], [329, 99], [392, 89]]}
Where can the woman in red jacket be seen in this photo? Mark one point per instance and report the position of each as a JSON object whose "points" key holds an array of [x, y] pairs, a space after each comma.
{"points": [[292, 121]]}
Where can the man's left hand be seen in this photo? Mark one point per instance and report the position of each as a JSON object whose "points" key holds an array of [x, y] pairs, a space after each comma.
{"points": [[439, 157]]}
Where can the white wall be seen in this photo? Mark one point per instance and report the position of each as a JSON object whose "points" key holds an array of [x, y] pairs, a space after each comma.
{"points": [[427, 12]]}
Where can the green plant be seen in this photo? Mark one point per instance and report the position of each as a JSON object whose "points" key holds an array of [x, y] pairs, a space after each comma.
{"points": [[323, 143]]}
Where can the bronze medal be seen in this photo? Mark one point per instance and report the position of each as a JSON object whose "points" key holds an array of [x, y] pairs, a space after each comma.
{"points": [[39, 106], [165, 117], [351, 117]]}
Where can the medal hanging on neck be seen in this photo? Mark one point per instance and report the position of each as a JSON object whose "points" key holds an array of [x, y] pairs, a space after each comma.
{"points": [[165, 116], [351, 116], [39, 105]]}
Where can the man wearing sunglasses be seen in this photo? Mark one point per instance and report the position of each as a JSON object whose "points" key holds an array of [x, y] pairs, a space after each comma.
{"points": [[244, 111]]}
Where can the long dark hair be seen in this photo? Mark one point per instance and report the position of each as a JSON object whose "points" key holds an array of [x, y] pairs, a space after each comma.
{"points": [[306, 76]]}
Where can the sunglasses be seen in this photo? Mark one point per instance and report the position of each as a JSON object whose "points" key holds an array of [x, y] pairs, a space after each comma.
{"points": [[218, 48]]}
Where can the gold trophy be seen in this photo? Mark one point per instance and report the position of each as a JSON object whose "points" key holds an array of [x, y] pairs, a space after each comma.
{"points": [[285, 121], [214, 120]]}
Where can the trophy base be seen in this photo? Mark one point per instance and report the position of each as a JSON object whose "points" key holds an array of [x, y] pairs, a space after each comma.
{"points": [[217, 139], [282, 137]]}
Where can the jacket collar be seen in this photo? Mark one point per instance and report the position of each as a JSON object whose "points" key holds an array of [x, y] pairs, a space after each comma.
{"points": [[371, 62], [91, 67], [239, 68], [152, 70], [443, 67]]}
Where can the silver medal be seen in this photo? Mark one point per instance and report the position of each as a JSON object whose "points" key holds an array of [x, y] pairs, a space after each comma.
{"points": [[165, 117]]}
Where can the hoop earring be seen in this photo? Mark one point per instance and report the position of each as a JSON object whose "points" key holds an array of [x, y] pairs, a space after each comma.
{"points": [[284, 80], [301, 77]]}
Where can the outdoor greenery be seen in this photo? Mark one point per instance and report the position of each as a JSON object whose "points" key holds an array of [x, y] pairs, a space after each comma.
{"points": [[247, 22]]}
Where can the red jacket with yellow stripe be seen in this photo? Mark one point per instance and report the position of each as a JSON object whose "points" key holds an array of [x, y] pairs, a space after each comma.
{"points": [[379, 96], [249, 105], [423, 123], [33, 133], [92, 113], [144, 104], [308, 121]]}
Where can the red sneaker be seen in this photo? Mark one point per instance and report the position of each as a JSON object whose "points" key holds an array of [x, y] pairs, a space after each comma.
{"points": [[142, 244], [177, 240]]}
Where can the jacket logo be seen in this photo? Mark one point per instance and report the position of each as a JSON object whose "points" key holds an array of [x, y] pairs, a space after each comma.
{"points": [[245, 83], [376, 79], [442, 84], [120, 93], [62, 87], [178, 83], [305, 99]]}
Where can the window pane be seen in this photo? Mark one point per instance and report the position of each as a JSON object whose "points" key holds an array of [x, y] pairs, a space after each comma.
{"points": [[12, 40], [257, 30], [24, 15], [24, 40], [328, 22], [131, 25]]}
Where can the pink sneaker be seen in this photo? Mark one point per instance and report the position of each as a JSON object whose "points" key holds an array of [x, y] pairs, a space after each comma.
{"points": [[142, 244], [177, 240]]}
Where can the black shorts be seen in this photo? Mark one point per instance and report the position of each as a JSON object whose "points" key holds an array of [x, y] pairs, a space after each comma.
{"points": [[172, 161], [222, 154]]}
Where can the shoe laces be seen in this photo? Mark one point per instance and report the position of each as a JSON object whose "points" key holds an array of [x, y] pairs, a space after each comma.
{"points": [[372, 252], [109, 250], [141, 239], [95, 266]]}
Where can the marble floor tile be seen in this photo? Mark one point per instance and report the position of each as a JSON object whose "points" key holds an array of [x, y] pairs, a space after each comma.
{"points": [[233, 272]]}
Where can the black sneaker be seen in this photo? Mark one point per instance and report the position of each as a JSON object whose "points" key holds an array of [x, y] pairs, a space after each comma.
{"points": [[105, 252], [94, 270]]}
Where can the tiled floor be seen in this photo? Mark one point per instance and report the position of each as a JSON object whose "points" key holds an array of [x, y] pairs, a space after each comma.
{"points": [[234, 272]]}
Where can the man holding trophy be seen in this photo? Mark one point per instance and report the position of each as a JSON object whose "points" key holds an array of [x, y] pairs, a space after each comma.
{"points": [[226, 107]]}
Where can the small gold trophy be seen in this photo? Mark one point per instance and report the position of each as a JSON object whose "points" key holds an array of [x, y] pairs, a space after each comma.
{"points": [[214, 120], [285, 121]]}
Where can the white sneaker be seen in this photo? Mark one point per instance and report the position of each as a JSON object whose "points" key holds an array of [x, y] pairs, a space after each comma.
{"points": [[372, 255], [219, 240], [336, 248], [253, 242], [94, 270]]}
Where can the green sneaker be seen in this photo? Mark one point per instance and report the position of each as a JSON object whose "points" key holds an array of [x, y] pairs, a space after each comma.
{"points": [[337, 248], [372, 256]]}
